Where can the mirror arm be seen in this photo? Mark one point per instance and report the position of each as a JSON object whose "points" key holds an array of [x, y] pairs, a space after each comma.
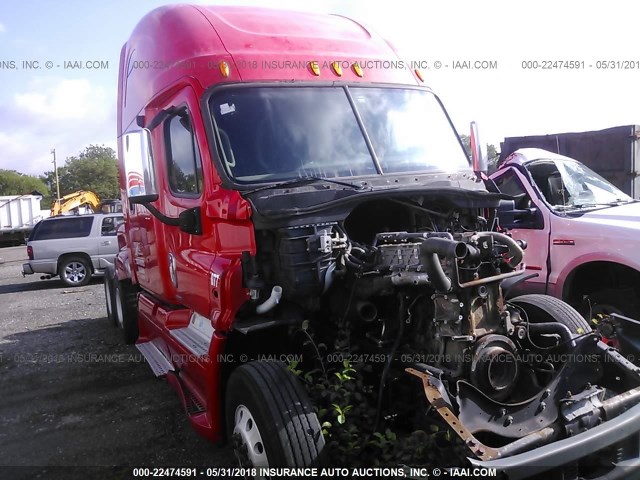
{"points": [[173, 221], [189, 221]]}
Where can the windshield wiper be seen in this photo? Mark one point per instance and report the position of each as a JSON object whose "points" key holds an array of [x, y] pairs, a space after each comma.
{"points": [[301, 181], [574, 207], [581, 206], [620, 201]]}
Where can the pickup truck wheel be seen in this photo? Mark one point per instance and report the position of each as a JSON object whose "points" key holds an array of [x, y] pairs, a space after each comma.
{"points": [[126, 310], [621, 335], [109, 296], [270, 419], [608, 301], [75, 271], [543, 308]]}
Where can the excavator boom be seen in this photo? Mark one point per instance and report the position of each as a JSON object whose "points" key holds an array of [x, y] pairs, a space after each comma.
{"points": [[78, 199]]}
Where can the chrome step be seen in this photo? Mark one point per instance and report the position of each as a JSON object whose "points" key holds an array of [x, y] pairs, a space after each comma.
{"points": [[155, 358], [195, 343]]}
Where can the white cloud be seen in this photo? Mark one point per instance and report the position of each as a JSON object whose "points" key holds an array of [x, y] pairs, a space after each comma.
{"points": [[3, 29], [67, 115], [69, 99]]}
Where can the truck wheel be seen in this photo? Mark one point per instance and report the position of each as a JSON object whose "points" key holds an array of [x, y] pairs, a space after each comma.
{"points": [[109, 296], [126, 309], [543, 308], [75, 271], [270, 419]]}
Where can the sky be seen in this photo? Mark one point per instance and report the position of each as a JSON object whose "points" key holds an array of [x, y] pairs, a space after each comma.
{"points": [[68, 109]]}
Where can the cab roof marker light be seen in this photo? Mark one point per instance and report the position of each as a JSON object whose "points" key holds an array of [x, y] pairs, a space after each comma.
{"points": [[337, 69], [357, 69], [418, 73], [314, 67]]}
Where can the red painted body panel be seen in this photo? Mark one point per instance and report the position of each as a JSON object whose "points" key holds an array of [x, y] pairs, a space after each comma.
{"points": [[172, 57]]}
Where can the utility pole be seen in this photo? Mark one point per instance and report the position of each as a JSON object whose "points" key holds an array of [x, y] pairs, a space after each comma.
{"points": [[55, 168]]}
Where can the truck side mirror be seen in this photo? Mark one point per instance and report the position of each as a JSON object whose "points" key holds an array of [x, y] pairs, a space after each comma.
{"points": [[140, 180], [478, 152]]}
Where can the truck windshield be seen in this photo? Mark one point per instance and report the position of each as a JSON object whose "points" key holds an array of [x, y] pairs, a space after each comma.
{"points": [[278, 133], [569, 184]]}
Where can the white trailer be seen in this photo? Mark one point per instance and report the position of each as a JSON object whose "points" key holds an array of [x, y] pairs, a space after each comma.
{"points": [[18, 215]]}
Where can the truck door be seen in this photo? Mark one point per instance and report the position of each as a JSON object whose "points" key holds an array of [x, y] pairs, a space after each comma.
{"points": [[188, 255], [530, 222]]}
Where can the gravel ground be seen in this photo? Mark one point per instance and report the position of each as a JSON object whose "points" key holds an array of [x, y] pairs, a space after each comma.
{"points": [[74, 395]]}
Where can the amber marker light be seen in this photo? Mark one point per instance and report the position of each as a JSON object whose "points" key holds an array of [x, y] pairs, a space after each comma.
{"points": [[337, 69], [418, 73], [357, 69], [224, 69], [315, 68]]}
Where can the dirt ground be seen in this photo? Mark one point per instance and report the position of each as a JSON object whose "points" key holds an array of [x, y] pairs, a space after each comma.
{"points": [[73, 395]]}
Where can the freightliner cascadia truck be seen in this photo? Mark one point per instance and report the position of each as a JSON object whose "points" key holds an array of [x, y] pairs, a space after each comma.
{"points": [[310, 258]]}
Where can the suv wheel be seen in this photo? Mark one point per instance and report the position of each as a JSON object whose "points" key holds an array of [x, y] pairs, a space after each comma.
{"points": [[75, 271]]}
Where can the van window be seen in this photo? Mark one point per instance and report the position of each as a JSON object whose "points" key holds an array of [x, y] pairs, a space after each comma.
{"points": [[183, 158], [71, 227]]}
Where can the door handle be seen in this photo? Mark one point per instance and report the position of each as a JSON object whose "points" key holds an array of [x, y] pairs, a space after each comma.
{"points": [[106, 242]]}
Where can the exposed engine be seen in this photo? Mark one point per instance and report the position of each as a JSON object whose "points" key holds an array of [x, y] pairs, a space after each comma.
{"points": [[449, 272], [423, 286]]}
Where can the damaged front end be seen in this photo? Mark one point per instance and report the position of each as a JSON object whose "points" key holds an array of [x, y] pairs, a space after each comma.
{"points": [[578, 429], [584, 419], [417, 279]]}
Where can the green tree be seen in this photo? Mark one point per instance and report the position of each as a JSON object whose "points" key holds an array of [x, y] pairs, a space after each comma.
{"points": [[492, 152], [16, 183], [94, 169]]}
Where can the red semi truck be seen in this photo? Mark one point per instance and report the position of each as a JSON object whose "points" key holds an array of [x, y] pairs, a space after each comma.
{"points": [[309, 258]]}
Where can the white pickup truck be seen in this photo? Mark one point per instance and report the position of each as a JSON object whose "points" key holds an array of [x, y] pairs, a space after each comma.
{"points": [[583, 234]]}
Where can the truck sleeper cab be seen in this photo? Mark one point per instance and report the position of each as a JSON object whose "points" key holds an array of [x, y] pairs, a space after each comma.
{"points": [[286, 200]]}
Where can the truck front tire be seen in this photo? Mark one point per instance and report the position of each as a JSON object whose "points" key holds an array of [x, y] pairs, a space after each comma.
{"points": [[270, 419], [543, 308]]}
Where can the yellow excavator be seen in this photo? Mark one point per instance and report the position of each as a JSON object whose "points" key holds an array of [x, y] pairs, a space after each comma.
{"points": [[81, 198]]}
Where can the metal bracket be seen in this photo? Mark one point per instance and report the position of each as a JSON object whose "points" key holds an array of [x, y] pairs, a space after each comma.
{"points": [[432, 389]]}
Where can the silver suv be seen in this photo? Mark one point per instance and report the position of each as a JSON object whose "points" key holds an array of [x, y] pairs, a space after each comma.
{"points": [[73, 247]]}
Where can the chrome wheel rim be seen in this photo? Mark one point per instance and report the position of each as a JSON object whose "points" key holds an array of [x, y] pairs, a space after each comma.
{"points": [[75, 272], [246, 429]]}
